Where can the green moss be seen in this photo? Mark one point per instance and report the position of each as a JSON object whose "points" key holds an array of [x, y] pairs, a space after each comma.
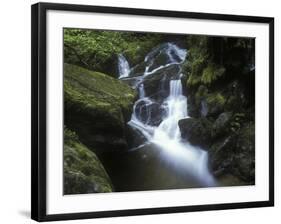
{"points": [[96, 91], [97, 107], [83, 172]]}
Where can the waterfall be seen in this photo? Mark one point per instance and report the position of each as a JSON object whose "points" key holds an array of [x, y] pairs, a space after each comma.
{"points": [[176, 105], [123, 66], [141, 91], [166, 135]]}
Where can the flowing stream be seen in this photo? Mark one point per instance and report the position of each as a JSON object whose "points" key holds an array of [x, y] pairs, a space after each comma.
{"points": [[161, 104]]}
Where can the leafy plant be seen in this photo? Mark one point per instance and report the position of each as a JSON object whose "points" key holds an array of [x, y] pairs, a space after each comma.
{"points": [[96, 50], [211, 73]]}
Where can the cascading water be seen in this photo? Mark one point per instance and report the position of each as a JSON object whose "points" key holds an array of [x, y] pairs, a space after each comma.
{"points": [[169, 110], [123, 66], [167, 135], [176, 105]]}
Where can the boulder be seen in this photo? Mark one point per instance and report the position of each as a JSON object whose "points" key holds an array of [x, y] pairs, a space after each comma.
{"points": [[138, 70], [196, 130], [151, 113], [134, 137], [83, 171], [245, 153], [97, 107], [164, 54], [158, 82], [235, 154], [221, 124], [221, 155]]}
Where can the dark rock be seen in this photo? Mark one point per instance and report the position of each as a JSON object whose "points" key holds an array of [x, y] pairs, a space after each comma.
{"points": [[221, 155], [159, 57], [196, 131], [149, 113], [192, 107], [235, 154], [134, 137], [159, 80], [138, 70], [245, 153], [221, 124]]}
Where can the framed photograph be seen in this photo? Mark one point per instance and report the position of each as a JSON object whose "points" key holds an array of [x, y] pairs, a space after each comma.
{"points": [[138, 111]]}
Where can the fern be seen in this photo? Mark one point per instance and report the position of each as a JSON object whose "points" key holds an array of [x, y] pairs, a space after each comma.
{"points": [[211, 73]]}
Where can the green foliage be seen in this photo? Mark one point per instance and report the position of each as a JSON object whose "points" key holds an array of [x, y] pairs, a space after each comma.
{"points": [[90, 46], [197, 58], [199, 42], [200, 94], [216, 99], [95, 49], [196, 67], [83, 172], [200, 66], [211, 73], [193, 80]]}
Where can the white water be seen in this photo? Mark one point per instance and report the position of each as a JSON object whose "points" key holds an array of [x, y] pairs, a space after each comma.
{"points": [[123, 66], [141, 91], [170, 50], [167, 134]]}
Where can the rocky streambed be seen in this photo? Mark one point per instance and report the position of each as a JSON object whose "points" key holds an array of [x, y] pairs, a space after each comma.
{"points": [[179, 118]]}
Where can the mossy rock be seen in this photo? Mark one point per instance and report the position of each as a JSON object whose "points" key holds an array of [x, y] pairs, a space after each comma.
{"points": [[83, 172], [97, 107]]}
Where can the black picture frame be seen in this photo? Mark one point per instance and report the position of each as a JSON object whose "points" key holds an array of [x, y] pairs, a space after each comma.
{"points": [[39, 122]]}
